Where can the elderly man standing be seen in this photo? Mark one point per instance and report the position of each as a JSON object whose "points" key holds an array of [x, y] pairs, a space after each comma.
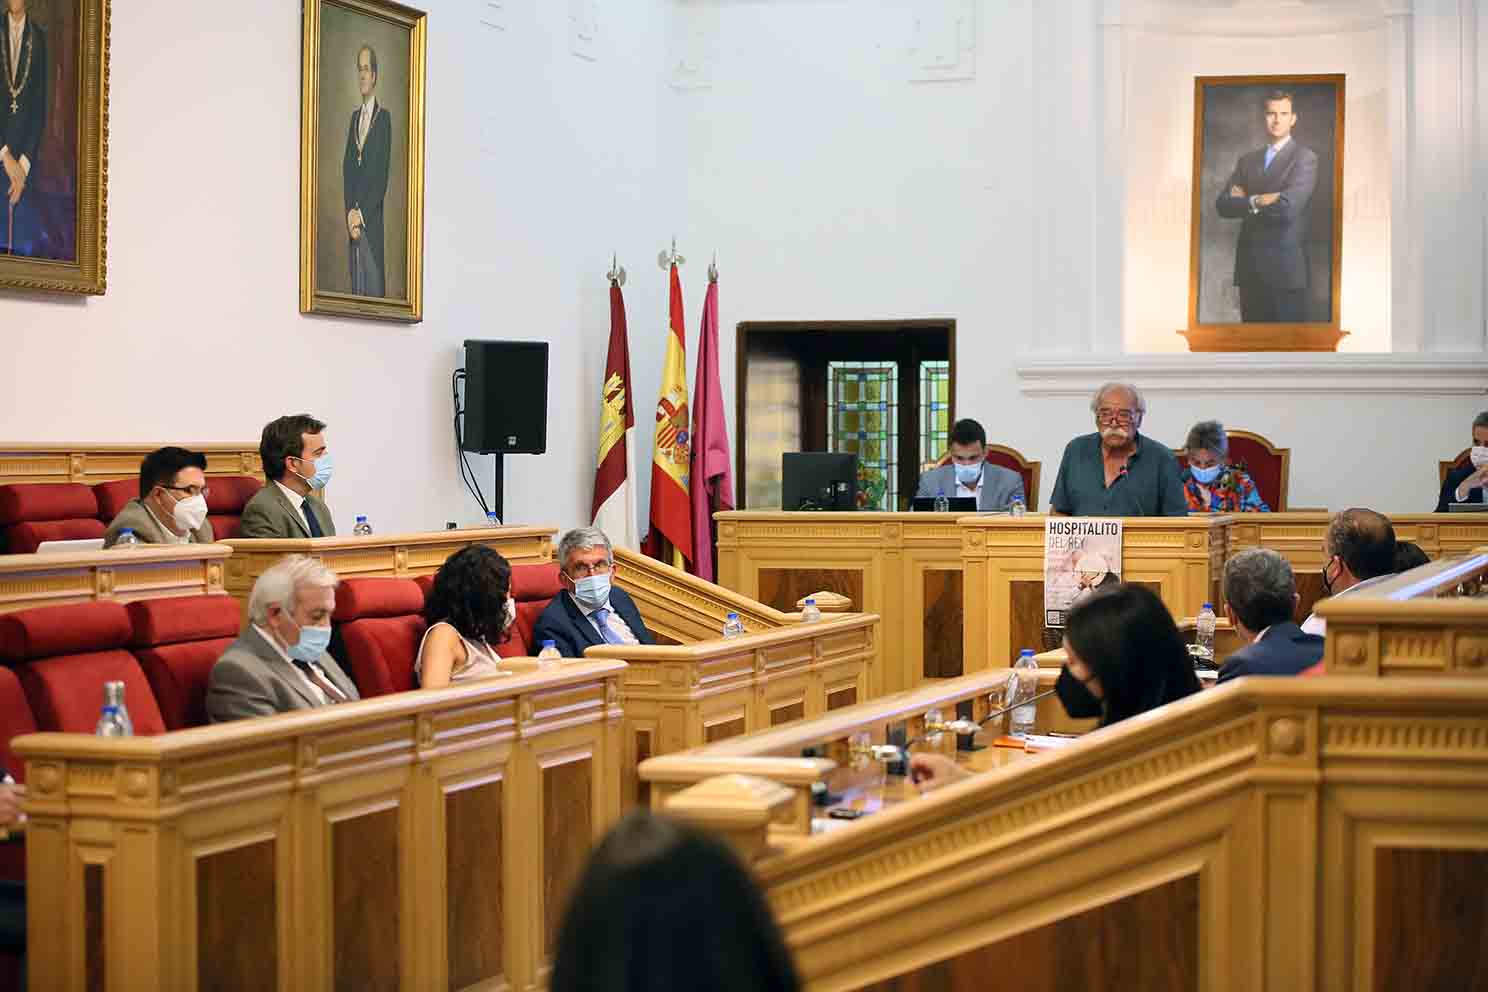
{"points": [[1260, 598], [1116, 472], [589, 610], [280, 662]]}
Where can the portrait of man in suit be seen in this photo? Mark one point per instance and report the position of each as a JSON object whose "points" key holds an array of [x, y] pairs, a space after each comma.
{"points": [[1265, 216], [23, 115], [364, 177]]}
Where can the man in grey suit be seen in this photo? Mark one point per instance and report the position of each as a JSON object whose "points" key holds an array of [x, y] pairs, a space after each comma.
{"points": [[1270, 191], [279, 663], [295, 460], [172, 504], [968, 474]]}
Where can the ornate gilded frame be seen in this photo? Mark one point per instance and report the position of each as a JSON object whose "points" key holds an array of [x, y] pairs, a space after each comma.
{"points": [[85, 274], [313, 300]]}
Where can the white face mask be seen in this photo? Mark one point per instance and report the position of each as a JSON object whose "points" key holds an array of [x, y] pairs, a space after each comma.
{"points": [[511, 614], [1479, 456], [190, 512]]}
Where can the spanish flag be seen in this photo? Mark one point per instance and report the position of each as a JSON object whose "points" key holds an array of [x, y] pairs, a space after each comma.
{"points": [[614, 496], [670, 539]]}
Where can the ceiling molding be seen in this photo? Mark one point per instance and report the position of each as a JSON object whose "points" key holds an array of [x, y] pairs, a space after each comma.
{"points": [[1413, 375]]}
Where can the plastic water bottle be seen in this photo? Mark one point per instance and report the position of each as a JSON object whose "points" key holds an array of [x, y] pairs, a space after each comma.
{"points": [[115, 720], [492, 520], [1018, 507], [1026, 671], [362, 528], [942, 503], [1204, 639], [127, 539], [733, 626], [810, 612], [549, 657]]}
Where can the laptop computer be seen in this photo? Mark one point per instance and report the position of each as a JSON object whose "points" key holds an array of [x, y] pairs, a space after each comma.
{"points": [[959, 504], [59, 547]]}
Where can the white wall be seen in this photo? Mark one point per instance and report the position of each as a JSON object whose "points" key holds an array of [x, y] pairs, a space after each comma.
{"points": [[539, 165]]}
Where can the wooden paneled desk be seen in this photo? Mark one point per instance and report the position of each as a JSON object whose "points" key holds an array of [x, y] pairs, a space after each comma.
{"points": [[1180, 558], [423, 840], [905, 567], [91, 462], [120, 574], [1299, 537]]}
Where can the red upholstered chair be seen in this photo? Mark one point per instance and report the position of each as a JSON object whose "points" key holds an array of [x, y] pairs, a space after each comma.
{"points": [[33, 512], [1011, 458], [176, 641], [533, 587], [226, 497], [379, 624], [64, 655], [1268, 466], [1463, 459], [15, 719], [113, 495]]}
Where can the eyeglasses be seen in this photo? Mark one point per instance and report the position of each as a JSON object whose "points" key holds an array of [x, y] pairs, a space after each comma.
{"points": [[190, 490], [583, 570], [1108, 416]]}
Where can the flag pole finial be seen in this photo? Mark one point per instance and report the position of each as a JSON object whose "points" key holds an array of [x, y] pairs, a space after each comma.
{"points": [[617, 271], [713, 268], [666, 259]]}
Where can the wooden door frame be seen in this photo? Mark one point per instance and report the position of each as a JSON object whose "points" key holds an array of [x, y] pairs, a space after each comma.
{"points": [[744, 328]]}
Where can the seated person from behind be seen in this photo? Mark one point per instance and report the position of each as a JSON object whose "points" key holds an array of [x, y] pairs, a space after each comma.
{"points": [[296, 464], [590, 609], [1260, 598], [1116, 472], [1125, 656], [665, 907], [1408, 555], [469, 608], [279, 663], [172, 504], [1210, 485], [1466, 484], [969, 474], [1358, 552]]}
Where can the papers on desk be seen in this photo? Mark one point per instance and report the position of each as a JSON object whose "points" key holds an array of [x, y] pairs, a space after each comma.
{"points": [[1046, 742], [1207, 674]]}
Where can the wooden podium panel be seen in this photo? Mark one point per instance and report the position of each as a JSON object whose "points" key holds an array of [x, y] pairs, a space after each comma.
{"points": [[92, 462], [120, 574], [1299, 538], [1180, 558], [905, 567], [424, 840]]}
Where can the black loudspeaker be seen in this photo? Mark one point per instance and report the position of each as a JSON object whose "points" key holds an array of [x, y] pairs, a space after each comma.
{"points": [[506, 397]]}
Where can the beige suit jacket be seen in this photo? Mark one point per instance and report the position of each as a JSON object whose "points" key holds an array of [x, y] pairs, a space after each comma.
{"points": [[253, 679], [138, 519], [269, 514]]}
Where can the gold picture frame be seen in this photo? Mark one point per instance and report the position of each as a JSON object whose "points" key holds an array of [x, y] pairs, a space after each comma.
{"points": [[1228, 121], [54, 239], [362, 159]]}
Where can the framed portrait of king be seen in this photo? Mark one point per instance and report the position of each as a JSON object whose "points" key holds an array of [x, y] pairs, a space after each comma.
{"points": [[362, 160], [1267, 213], [53, 144]]}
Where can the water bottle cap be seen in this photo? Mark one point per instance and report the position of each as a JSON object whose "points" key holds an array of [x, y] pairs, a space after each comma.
{"points": [[125, 530], [1208, 606], [733, 616], [361, 520], [810, 600], [550, 644], [1026, 653], [491, 515]]}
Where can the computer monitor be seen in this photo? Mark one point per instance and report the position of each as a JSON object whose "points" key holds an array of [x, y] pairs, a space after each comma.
{"points": [[819, 480]]}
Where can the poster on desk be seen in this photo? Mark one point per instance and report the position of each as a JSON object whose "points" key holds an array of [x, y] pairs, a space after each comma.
{"points": [[1081, 554]]}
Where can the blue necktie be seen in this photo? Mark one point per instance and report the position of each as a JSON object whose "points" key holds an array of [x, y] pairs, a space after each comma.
{"points": [[1271, 153], [310, 521], [601, 617]]}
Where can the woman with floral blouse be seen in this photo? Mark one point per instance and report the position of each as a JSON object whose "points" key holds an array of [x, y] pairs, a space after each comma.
{"points": [[1210, 485]]}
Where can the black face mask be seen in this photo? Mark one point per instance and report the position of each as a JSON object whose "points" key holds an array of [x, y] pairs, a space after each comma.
{"points": [[1079, 702]]}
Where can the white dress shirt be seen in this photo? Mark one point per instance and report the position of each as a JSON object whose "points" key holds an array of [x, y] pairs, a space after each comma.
{"points": [[295, 499], [1315, 624], [612, 620], [365, 124]]}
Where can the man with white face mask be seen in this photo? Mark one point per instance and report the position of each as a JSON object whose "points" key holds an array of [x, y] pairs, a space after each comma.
{"points": [[590, 609], [1467, 484], [172, 505], [280, 662]]}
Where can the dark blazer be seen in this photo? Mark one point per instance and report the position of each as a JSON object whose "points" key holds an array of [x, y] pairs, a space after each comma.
{"points": [[565, 625], [1285, 650], [364, 180], [1449, 489], [21, 131], [269, 514], [1272, 250]]}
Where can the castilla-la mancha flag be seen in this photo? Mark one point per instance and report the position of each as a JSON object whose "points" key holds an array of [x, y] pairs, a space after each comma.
{"points": [[670, 539], [712, 478], [614, 496]]}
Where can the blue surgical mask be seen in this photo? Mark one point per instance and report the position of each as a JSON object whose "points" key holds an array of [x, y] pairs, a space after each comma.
{"points": [[967, 475], [323, 469], [592, 591], [312, 643], [1204, 476]]}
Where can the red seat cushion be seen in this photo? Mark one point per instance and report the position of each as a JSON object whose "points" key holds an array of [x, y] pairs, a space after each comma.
{"points": [[15, 719], [228, 494], [75, 628], [24, 539], [381, 652], [533, 587], [177, 641], [174, 619], [113, 495], [225, 527], [30, 501], [357, 599], [66, 692]]}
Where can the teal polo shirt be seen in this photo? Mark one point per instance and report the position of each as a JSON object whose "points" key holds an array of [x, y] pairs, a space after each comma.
{"points": [[1151, 486]]}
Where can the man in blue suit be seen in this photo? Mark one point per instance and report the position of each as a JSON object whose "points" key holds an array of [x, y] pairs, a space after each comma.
{"points": [[969, 473], [1270, 191], [1260, 598], [589, 610]]}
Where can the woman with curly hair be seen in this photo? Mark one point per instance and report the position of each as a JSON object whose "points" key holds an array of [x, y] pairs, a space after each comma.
{"points": [[469, 608]]}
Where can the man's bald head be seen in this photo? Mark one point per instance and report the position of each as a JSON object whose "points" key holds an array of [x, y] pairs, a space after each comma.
{"points": [[1364, 540]]}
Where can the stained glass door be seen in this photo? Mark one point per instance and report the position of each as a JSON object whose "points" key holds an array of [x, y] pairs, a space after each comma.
{"points": [[863, 419]]}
